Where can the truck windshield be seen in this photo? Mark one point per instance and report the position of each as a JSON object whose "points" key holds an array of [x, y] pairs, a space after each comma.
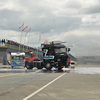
{"points": [[59, 50], [27, 55]]}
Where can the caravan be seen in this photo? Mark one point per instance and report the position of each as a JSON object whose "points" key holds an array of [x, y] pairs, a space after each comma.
{"points": [[17, 59]]}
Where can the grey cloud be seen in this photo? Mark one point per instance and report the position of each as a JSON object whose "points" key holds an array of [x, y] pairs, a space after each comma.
{"points": [[9, 19], [73, 4], [93, 10], [87, 45], [60, 24]]}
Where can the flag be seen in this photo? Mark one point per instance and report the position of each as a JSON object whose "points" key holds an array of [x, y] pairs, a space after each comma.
{"points": [[45, 41], [21, 26], [39, 37], [24, 28], [28, 30]]}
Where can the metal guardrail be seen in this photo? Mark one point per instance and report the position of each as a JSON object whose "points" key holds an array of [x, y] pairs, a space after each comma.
{"points": [[3, 45]]}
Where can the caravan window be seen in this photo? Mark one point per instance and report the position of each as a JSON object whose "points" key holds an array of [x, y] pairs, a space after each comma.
{"points": [[16, 57]]}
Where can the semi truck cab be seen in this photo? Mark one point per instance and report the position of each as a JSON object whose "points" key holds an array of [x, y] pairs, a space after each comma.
{"points": [[54, 55], [29, 57]]}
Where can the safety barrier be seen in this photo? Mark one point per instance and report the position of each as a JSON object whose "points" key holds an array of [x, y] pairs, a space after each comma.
{"points": [[3, 45]]}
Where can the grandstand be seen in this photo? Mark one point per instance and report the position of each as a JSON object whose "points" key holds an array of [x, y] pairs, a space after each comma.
{"points": [[9, 46]]}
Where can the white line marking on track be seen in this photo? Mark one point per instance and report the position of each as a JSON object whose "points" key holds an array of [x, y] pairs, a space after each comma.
{"points": [[29, 96]]}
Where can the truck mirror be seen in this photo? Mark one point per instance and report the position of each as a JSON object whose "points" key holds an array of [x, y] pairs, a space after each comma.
{"points": [[69, 49]]}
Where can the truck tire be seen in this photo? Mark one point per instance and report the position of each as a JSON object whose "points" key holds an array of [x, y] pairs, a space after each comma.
{"points": [[39, 66], [47, 65], [28, 65], [60, 68], [35, 64]]}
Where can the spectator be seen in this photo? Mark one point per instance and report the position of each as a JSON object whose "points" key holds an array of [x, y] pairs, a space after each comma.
{"points": [[69, 61], [6, 41], [2, 40]]}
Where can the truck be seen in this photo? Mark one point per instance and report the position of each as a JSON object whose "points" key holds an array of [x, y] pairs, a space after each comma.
{"points": [[54, 54], [29, 58]]}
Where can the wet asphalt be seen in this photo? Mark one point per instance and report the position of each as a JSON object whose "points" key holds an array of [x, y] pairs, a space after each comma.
{"points": [[81, 83]]}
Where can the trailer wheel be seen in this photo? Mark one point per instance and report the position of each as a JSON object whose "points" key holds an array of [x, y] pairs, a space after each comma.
{"points": [[47, 65], [28, 65]]}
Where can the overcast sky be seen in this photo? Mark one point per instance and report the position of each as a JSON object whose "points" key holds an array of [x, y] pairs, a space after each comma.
{"points": [[74, 21]]}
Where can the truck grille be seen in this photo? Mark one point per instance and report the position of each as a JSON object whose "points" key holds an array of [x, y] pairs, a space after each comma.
{"points": [[62, 60]]}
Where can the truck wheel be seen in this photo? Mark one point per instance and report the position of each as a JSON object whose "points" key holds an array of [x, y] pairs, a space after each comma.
{"points": [[39, 65], [48, 65], [59, 68], [28, 65]]}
